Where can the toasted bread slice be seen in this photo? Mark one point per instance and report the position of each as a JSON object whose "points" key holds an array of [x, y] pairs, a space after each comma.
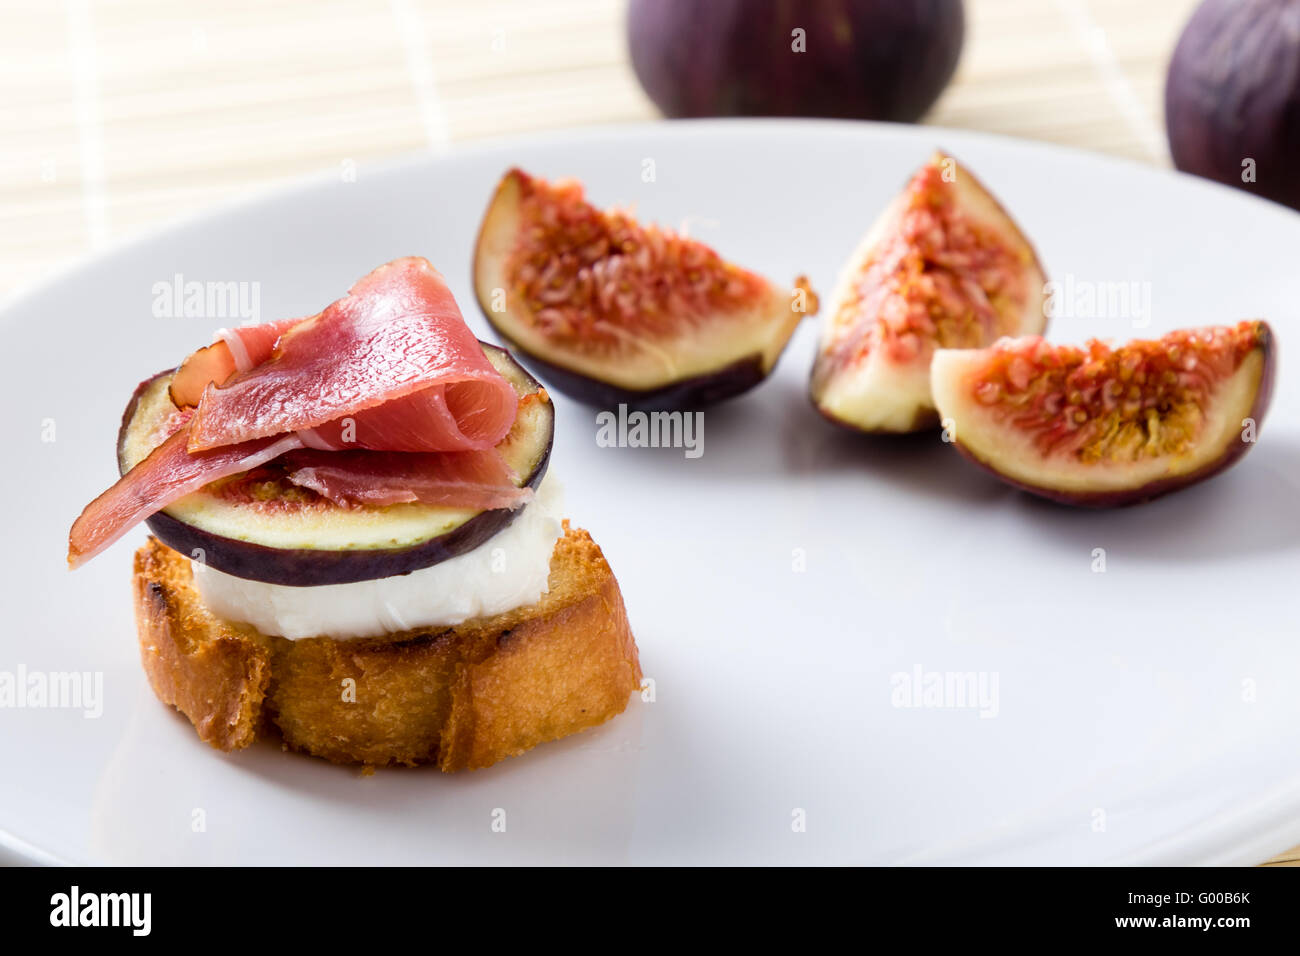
{"points": [[461, 697]]}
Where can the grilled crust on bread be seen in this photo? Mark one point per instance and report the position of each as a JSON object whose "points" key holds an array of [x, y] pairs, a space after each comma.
{"points": [[462, 697]]}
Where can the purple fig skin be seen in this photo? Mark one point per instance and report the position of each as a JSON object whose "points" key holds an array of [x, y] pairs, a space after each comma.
{"points": [[925, 420], [310, 568], [1233, 93], [685, 394], [313, 568], [1155, 489], [863, 59]]}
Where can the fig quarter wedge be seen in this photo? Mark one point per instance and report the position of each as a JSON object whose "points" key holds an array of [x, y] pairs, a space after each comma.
{"points": [[611, 311], [944, 266], [1104, 426]]}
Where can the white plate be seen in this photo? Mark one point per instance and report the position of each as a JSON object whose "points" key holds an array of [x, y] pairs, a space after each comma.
{"points": [[1145, 714]]}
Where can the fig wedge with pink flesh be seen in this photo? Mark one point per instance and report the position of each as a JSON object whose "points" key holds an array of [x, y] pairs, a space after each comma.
{"points": [[943, 266], [610, 311], [1104, 426]]}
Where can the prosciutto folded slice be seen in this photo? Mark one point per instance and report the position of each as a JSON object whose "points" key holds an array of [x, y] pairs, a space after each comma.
{"points": [[167, 474], [475, 479], [235, 350], [386, 395], [394, 351]]}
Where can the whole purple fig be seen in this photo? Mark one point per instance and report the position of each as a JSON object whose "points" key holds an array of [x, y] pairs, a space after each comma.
{"points": [[1232, 97], [863, 59]]}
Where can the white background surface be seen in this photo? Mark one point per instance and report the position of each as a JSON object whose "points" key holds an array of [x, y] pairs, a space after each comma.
{"points": [[1120, 692]]}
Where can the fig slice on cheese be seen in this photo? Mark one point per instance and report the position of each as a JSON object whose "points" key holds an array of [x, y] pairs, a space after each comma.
{"points": [[259, 524]]}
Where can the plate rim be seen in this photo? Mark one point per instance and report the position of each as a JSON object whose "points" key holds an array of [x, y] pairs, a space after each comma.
{"points": [[401, 162]]}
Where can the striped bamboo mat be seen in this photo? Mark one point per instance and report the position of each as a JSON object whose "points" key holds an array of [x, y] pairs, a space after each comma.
{"points": [[118, 116], [121, 115]]}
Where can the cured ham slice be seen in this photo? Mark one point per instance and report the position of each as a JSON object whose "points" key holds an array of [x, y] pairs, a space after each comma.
{"points": [[477, 480], [251, 345], [415, 423], [397, 333], [390, 368], [235, 350], [167, 474]]}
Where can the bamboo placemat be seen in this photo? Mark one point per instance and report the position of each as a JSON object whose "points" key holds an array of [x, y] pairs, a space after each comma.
{"points": [[122, 115], [119, 116]]}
